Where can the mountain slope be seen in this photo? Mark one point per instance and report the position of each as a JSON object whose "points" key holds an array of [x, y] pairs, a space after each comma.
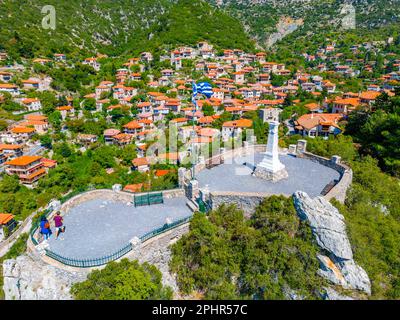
{"points": [[114, 26], [264, 18]]}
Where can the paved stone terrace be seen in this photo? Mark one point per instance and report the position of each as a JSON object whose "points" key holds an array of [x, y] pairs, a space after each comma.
{"points": [[100, 227], [304, 175]]}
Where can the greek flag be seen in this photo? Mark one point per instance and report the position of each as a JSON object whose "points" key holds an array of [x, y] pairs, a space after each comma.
{"points": [[201, 88]]}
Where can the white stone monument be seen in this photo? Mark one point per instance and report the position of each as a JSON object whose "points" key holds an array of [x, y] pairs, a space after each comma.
{"points": [[270, 168]]}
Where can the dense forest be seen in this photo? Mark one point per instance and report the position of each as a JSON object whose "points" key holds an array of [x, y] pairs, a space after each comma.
{"points": [[114, 27], [308, 18]]}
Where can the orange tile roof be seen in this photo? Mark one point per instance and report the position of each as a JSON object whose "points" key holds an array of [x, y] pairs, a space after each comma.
{"points": [[355, 102], [206, 119], [33, 117], [133, 125], [5, 218], [123, 137], [36, 173], [32, 123], [169, 156], [10, 147], [30, 81], [143, 104], [23, 161], [233, 109], [30, 100], [134, 187], [309, 121], [48, 163], [7, 86], [312, 106], [64, 108], [179, 120], [370, 95], [241, 123], [22, 130], [161, 173], [140, 162], [202, 140]]}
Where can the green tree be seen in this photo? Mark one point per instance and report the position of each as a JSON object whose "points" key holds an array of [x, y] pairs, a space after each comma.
{"points": [[46, 141], [125, 280]]}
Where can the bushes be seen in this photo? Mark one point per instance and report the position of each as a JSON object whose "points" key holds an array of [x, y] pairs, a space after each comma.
{"points": [[125, 280], [228, 257], [372, 213], [340, 145]]}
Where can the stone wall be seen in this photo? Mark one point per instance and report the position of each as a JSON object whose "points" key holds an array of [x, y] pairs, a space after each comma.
{"points": [[346, 175], [247, 201]]}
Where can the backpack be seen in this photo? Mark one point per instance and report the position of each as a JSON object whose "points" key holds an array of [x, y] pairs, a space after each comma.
{"points": [[47, 225]]}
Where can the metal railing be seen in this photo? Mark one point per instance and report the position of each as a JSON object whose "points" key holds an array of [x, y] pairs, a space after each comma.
{"points": [[95, 262], [148, 199], [87, 263], [164, 228]]}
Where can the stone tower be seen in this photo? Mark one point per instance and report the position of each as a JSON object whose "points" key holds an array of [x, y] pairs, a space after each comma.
{"points": [[270, 168]]}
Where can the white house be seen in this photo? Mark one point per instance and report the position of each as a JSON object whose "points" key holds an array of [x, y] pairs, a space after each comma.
{"points": [[32, 104]]}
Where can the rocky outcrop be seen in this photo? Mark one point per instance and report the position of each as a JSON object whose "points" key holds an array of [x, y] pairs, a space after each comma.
{"points": [[329, 228], [327, 224], [334, 295], [28, 278], [285, 26]]}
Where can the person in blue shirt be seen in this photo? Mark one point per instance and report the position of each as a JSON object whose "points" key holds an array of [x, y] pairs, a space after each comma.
{"points": [[45, 227]]}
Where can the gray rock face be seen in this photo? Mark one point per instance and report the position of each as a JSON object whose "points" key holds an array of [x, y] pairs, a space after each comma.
{"points": [[326, 222], [333, 295], [329, 229], [26, 278], [355, 276]]}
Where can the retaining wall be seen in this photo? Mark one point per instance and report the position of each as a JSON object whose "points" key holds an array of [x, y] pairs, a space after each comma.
{"points": [[247, 201], [346, 176]]}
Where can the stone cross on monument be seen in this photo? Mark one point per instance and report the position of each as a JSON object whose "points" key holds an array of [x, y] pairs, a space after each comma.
{"points": [[270, 168]]}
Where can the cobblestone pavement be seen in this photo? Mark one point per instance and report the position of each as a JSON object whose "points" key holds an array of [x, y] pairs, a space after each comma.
{"points": [[304, 175], [97, 227]]}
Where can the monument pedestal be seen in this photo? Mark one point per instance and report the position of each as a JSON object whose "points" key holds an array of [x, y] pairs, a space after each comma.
{"points": [[270, 168], [264, 173]]}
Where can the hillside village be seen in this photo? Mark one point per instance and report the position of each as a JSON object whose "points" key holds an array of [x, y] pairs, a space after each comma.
{"points": [[247, 87], [200, 150], [141, 102]]}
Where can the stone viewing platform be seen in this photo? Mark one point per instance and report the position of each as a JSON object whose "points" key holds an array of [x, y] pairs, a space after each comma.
{"points": [[231, 178], [102, 221], [303, 174]]}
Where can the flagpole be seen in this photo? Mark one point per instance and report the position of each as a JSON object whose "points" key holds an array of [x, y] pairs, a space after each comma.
{"points": [[194, 94], [206, 89]]}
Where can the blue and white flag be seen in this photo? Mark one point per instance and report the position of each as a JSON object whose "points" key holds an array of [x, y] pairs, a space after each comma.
{"points": [[205, 88], [201, 88]]}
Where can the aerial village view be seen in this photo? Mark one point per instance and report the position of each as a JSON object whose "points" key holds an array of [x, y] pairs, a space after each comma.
{"points": [[202, 160]]}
